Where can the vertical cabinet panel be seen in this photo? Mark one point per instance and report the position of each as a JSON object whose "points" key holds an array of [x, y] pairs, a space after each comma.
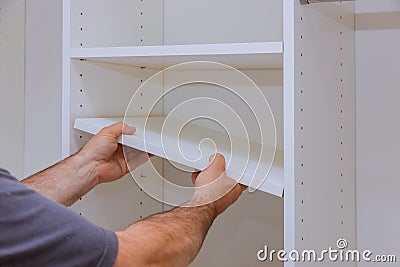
{"points": [[324, 127]]}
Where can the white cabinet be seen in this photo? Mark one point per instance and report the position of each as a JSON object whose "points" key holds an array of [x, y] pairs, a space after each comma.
{"points": [[300, 57]]}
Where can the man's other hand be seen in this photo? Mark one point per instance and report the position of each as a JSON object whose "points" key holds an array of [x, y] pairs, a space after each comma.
{"points": [[212, 186]]}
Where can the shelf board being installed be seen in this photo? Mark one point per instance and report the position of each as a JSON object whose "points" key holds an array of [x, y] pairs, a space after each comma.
{"points": [[190, 150], [259, 55]]}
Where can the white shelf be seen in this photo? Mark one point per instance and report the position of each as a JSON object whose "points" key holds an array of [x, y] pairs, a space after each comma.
{"points": [[186, 150], [260, 55]]}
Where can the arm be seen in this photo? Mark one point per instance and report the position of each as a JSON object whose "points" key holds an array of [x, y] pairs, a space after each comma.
{"points": [[100, 160], [175, 237]]}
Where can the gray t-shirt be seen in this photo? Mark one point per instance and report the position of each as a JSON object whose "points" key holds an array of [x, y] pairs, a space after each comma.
{"points": [[35, 231]]}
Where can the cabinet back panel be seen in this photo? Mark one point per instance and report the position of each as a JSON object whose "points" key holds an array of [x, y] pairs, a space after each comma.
{"points": [[256, 219], [219, 21], [104, 90], [101, 23]]}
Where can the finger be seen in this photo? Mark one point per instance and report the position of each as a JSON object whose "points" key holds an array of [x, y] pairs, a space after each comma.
{"points": [[243, 187], [127, 129], [117, 129], [217, 164], [194, 176]]}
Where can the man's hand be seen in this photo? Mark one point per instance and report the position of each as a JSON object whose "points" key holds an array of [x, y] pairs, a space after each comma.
{"points": [[103, 150], [100, 160], [214, 187], [175, 237]]}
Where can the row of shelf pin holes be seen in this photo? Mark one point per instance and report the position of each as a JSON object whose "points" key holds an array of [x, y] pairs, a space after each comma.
{"points": [[1, 33], [141, 16], [81, 28], [302, 129], [141, 175], [341, 112], [81, 106]]}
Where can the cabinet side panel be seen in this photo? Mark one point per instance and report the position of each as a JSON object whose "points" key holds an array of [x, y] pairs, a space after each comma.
{"points": [[12, 63], [288, 120], [218, 21], [378, 128], [324, 128]]}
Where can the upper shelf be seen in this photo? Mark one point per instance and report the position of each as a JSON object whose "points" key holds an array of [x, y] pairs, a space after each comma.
{"points": [[259, 55], [158, 136]]}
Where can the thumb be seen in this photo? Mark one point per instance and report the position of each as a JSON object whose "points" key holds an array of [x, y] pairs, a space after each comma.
{"points": [[217, 164], [117, 129], [127, 129], [194, 176]]}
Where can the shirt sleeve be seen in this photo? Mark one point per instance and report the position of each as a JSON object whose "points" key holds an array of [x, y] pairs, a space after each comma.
{"points": [[36, 231]]}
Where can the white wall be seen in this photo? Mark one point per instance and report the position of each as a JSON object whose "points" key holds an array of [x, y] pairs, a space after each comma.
{"points": [[30, 86], [43, 84], [378, 126], [12, 39]]}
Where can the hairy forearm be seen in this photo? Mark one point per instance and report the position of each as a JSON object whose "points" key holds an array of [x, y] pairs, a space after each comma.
{"points": [[171, 238], [66, 181]]}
